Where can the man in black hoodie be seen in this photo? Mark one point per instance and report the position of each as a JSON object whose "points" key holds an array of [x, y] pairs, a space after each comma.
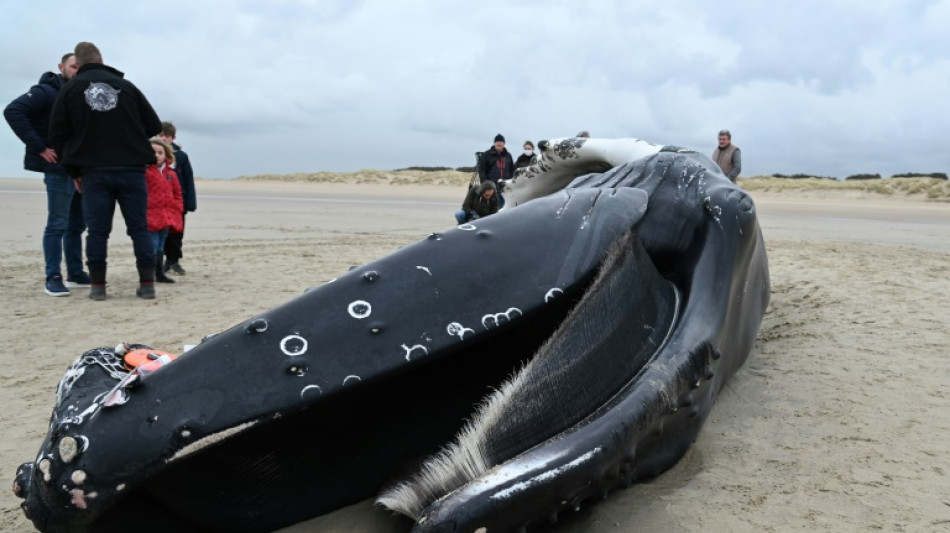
{"points": [[28, 116], [100, 126]]}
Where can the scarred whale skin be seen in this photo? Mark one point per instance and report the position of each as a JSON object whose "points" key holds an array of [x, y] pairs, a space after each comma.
{"points": [[339, 393]]}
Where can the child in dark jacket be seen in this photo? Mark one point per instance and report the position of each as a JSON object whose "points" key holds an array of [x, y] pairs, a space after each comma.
{"points": [[165, 206]]}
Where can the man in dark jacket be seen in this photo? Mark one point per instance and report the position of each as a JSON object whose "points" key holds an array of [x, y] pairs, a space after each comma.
{"points": [[28, 116], [496, 165], [481, 201], [100, 126], [186, 178]]}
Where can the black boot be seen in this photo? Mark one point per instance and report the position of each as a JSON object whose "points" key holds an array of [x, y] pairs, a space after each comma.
{"points": [[97, 287], [160, 271], [146, 288]]}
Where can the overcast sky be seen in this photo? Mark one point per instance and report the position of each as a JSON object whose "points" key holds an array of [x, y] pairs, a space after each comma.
{"points": [[832, 87]]}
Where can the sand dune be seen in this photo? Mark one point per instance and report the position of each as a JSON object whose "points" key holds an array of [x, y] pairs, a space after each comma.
{"points": [[838, 422]]}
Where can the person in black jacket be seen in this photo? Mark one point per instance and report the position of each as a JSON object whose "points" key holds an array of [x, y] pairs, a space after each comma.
{"points": [[186, 179], [528, 157], [100, 126], [496, 165], [28, 116], [480, 201]]}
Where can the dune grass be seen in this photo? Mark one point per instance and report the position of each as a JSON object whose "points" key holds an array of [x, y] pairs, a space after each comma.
{"points": [[930, 188], [380, 177]]}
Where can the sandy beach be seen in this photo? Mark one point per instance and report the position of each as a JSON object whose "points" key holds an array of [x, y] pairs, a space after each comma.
{"points": [[839, 421]]}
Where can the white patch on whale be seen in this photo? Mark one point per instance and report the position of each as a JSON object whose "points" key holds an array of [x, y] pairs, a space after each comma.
{"points": [[79, 496], [496, 319], [521, 486], [457, 330], [552, 294], [293, 345], [78, 477], [348, 380], [360, 309], [309, 388], [210, 439], [467, 227], [409, 350], [425, 269], [562, 160]]}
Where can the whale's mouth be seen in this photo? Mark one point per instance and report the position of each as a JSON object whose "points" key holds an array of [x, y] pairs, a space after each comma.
{"points": [[304, 462]]}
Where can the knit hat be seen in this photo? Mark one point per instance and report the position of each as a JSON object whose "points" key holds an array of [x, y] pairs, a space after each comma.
{"points": [[499, 137]]}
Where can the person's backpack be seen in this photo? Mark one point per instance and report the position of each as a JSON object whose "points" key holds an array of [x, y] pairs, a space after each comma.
{"points": [[475, 181]]}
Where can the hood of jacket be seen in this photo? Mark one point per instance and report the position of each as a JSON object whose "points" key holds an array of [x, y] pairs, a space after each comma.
{"points": [[56, 81], [486, 185]]}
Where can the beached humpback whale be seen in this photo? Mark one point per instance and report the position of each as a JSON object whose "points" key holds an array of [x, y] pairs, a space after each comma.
{"points": [[483, 379]]}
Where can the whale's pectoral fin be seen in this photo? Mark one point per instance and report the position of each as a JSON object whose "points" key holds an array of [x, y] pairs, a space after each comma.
{"points": [[618, 327]]}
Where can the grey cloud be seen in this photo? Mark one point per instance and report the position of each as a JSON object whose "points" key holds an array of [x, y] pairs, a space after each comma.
{"points": [[826, 87]]}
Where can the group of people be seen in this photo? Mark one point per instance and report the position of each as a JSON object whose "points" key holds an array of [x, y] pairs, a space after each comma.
{"points": [[496, 166], [98, 142]]}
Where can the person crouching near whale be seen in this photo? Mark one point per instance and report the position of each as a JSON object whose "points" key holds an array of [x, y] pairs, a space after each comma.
{"points": [[165, 205], [480, 202]]}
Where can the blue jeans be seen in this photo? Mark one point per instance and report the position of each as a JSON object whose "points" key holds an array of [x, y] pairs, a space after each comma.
{"points": [[64, 225], [158, 241], [101, 190], [462, 216]]}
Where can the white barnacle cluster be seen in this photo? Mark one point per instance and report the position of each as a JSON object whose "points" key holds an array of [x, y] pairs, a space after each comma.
{"points": [[456, 329], [417, 349], [492, 320]]}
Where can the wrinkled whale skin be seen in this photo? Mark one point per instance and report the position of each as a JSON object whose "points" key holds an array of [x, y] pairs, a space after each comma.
{"points": [[338, 393]]}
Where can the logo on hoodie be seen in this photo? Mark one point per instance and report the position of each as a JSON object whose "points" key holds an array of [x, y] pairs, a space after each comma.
{"points": [[101, 97]]}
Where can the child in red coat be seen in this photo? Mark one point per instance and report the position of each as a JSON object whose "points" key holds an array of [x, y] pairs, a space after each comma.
{"points": [[165, 206]]}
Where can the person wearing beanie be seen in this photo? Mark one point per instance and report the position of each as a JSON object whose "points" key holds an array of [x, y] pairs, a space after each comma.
{"points": [[496, 165]]}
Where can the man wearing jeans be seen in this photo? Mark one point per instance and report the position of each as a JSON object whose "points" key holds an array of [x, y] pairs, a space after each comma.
{"points": [[28, 116], [100, 125]]}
